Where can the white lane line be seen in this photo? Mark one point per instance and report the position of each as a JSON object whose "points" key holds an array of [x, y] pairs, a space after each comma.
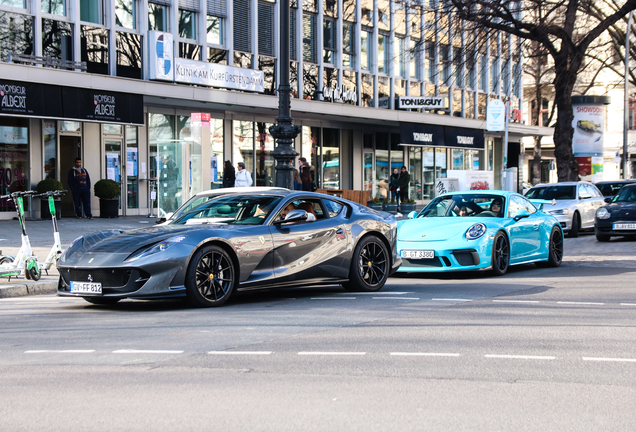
{"points": [[239, 352], [331, 353], [580, 303], [333, 298], [516, 301], [59, 351], [628, 304], [522, 357], [395, 298], [385, 293], [449, 299], [131, 351], [603, 359], [416, 354]]}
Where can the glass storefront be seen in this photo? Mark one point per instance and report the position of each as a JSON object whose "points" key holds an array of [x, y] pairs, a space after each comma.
{"points": [[216, 153], [311, 149], [132, 168], [14, 158], [243, 144], [49, 134], [330, 158], [382, 168], [264, 160], [165, 161]]}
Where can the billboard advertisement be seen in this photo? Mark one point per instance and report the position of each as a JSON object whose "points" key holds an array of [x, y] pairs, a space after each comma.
{"points": [[587, 141]]}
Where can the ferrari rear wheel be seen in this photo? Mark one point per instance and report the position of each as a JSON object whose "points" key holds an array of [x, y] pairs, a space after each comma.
{"points": [[101, 300], [211, 277], [500, 254], [555, 252], [369, 266]]}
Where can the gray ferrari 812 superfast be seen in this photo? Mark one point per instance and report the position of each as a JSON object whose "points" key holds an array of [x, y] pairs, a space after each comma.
{"points": [[236, 242]]}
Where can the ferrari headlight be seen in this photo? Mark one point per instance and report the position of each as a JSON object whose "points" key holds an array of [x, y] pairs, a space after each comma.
{"points": [[155, 248], [603, 213], [475, 231], [75, 244], [560, 212]]}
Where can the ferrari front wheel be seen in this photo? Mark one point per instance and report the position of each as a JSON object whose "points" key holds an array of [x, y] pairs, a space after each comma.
{"points": [[369, 266], [500, 254], [210, 278]]}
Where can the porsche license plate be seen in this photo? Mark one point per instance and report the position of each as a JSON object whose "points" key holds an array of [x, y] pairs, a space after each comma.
{"points": [[418, 254], [86, 287], [625, 226]]}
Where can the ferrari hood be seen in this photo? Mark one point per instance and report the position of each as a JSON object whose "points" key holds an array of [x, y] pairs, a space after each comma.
{"points": [[434, 229]]}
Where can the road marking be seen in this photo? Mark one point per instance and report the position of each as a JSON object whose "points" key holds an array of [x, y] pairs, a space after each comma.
{"points": [[59, 351], [628, 304], [395, 298], [384, 293], [406, 354], [330, 353], [523, 357], [580, 303], [333, 298], [516, 301], [449, 299], [239, 352], [131, 351], [603, 359]]}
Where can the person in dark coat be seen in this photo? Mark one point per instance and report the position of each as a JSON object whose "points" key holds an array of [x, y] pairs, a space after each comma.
{"points": [[403, 184], [307, 175], [79, 182], [229, 175], [394, 185]]}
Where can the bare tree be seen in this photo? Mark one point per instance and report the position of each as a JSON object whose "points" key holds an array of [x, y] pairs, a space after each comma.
{"points": [[566, 30]]}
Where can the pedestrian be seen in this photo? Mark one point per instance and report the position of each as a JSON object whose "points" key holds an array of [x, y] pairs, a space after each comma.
{"points": [[298, 183], [395, 185], [229, 175], [243, 177], [403, 184], [79, 182], [307, 176]]}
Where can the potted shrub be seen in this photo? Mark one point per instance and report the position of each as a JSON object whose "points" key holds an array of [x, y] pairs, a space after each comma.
{"points": [[375, 203], [108, 192], [407, 206], [391, 206], [49, 185]]}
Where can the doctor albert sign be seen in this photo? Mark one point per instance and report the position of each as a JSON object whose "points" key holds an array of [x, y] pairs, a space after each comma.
{"points": [[495, 115]]}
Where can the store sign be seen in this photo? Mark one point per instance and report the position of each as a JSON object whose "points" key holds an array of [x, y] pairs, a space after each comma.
{"points": [[417, 102], [22, 98], [341, 93], [161, 47], [216, 75], [426, 135]]}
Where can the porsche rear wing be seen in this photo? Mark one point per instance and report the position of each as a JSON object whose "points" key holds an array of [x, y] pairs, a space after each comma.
{"points": [[539, 203]]}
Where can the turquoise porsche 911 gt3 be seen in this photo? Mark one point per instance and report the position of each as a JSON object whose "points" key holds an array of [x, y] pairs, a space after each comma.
{"points": [[479, 230]]}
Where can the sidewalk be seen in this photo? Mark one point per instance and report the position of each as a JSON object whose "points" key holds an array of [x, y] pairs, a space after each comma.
{"points": [[41, 236]]}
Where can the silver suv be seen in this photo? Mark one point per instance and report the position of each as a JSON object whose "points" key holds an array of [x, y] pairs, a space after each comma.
{"points": [[575, 203]]}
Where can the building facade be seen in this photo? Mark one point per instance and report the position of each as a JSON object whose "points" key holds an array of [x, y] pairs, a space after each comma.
{"points": [[157, 94]]}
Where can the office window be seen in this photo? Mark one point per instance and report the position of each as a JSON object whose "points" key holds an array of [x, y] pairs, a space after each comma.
{"points": [[414, 69], [54, 7], [329, 41], [309, 37], [157, 17], [365, 51], [187, 24], [57, 39], [400, 69], [348, 45], [242, 25], [429, 61], [214, 30], [92, 11], [125, 13], [383, 54], [266, 28]]}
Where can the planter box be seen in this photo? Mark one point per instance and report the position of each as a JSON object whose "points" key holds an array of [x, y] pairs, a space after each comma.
{"points": [[391, 207], [45, 212], [108, 208], [406, 208], [375, 206]]}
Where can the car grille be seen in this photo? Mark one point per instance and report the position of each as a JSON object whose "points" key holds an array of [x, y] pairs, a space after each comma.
{"points": [[435, 262], [466, 257]]}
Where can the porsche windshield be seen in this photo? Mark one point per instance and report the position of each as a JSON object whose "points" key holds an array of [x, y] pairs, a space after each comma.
{"points": [[560, 192], [231, 209], [627, 194], [465, 205]]}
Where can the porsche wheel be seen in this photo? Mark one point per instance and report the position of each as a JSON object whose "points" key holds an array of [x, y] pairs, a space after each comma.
{"points": [[211, 277], [369, 266], [101, 300], [602, 237], [500, 254], [555, 252]]}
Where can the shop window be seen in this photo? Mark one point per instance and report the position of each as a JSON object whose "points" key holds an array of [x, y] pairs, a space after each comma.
{"points": [[243, 144], [125, 13], [49, 134], [162, 166], [92, 11], [53, 7], [473, 160], [457, 159], [264, 159], [382, 167], [214, 30], [132, 168], [113, 129], [415, 171], [266, 28], [242, 25], [94, 45], [128, 55], [311, 149], [187, 24], [57, 39], [16, 34], [158, 17], [310, 81], [330, 160], [217, 154], [70, 126], [14, 158], [268, 66]]}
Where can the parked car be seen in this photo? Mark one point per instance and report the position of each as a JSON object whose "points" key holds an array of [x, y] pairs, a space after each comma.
{"points": [[610, 188], [234, 242], [479, 230], [618, 217], [575, 203]]}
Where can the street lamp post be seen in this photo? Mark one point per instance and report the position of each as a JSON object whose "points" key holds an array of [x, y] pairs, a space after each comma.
{"points": [[284, 131], [626, 97]]}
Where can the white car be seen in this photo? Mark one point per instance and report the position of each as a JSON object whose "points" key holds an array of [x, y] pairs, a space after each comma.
{"points": [[575, 203], [207, 195]]}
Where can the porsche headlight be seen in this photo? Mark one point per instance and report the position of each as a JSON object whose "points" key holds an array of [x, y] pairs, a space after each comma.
{"points": [[560, 212], [155, 248], [603, 213], [475, 231]]}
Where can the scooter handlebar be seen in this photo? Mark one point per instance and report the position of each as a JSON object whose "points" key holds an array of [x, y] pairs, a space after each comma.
{"points": [[51, 193]]}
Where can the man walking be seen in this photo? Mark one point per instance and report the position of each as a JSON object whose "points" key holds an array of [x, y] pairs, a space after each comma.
{"points": [[79, 182], [243, 177], [403, 184]]}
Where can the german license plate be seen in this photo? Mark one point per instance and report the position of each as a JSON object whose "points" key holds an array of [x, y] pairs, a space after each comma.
{"points": [[86, 287], [627, 226], [418, 254]]}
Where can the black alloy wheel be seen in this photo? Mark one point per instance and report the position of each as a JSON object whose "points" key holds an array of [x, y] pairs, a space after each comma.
{"points": [[102, 300], [211, 277], [370, 266], [555, 252], [500, 254], [576, 225]]}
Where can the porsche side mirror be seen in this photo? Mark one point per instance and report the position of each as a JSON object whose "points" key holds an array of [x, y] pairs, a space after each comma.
{"points": [[520, 215], [608, 200], [293, 216], [412, 215]]}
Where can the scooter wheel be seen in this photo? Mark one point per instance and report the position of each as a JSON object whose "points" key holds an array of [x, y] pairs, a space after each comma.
{"points": [[34, 273]]}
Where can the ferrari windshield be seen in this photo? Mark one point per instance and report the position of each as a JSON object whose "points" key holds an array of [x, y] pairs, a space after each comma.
{"points": [[560, 192], [465, 205], [626, 194], [231, 209]]}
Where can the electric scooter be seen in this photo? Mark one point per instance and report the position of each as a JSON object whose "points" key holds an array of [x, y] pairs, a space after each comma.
{"points": [[56, 250], [24, 263]]}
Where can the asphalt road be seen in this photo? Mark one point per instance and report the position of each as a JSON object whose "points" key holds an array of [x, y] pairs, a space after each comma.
{"points": [[537, 349]]}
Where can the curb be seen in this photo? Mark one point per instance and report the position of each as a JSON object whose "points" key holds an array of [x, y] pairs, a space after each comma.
{"points": [[21, 289]]}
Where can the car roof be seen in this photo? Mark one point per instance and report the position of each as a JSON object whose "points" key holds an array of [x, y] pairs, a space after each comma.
{"points": [[569, 183], [250, 189], [625, 181], [481, 192]]}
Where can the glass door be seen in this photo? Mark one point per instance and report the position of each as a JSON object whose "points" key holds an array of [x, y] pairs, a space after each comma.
{"points": [[369, 172], [132, 168], [115, 166]]}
